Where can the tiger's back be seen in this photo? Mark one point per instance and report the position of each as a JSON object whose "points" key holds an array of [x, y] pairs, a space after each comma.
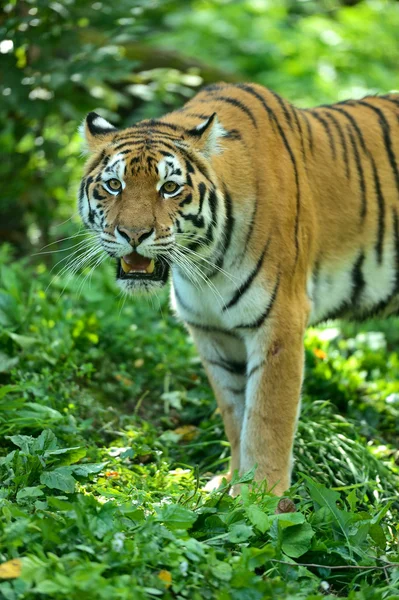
{"points": [[341, 163]]}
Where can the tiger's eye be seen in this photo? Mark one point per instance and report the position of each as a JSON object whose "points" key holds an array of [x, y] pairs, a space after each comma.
{"points": [[169, 187], [114, 184]]}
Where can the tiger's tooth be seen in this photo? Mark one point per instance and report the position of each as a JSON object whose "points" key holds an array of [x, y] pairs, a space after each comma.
{"points": [[125, 266], [151, 266]]}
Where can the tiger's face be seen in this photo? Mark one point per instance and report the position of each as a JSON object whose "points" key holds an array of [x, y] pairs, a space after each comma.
{"points": [[149, 194]]}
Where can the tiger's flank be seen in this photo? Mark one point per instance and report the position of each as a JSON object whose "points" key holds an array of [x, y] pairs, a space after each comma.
{"points": [[267, 218]]}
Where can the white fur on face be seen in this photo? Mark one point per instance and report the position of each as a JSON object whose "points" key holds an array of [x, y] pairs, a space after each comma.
{"points": [[169, 169], [115, 168]]}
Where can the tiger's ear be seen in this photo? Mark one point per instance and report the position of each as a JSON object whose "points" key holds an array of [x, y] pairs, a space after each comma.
{"points": [[96, 132], [206, 136]]}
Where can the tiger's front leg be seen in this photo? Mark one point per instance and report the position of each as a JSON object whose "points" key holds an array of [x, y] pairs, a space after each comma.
{"points": [[275, 373], [224, 360]]}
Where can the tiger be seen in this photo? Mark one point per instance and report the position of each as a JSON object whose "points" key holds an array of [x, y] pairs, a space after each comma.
{"points": [[267, 218]]}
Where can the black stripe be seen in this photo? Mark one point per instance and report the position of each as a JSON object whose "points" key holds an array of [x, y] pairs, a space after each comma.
{"points": [[357, 281], [210, 329], [237, 104], [245, 286], [232, 134], [299, 127], [255, 368], [201, 192], [327, 129], [81, 194], [309, 129], [381, 211], [231, 366], [249, 232], [265, 314], [362, 181], [172, 126], [235, 390], [353, 122], [97, 195], [88, 182], [284, 108], [178, 228], [96, 163], [344, 147], [229, 225], [194, 160], [189, 167], [144, 134], [272, 116], [392, 101], [214, 86], [187, 200], [154, 140], [198, 116], [349, 304], [227, 233], [196, 220], [212, 201], [386, 134]]}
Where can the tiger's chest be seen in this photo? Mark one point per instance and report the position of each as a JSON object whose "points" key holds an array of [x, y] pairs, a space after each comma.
{"points": [[219, 302], [358, 287]]}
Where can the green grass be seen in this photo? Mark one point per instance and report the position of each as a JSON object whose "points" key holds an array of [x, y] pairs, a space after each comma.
{"points": [[108, 430]]}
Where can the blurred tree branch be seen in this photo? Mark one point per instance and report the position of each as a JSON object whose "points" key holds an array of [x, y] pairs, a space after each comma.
{"points": [[153, 57]]}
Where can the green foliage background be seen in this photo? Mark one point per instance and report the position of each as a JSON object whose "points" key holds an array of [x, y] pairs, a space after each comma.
{"points": [[141, 58], [107, 425]]}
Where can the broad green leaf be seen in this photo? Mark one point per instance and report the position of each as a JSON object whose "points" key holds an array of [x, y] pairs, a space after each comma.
{"points": [[45, 442], [256, 557], [176, 517], [6, 389], [23, 341], [296, 540], [377, 534], [88, 469], [248, 476], [7, 362], [66, 456], [258, 518], [289, 519], [59, 479], [29, 492], [22, 441], [37, 413], [239, 532], [222, 570], [322, 496]]}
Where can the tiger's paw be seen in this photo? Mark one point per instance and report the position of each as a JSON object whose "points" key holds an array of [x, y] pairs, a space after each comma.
{"points": [[215, 483]]}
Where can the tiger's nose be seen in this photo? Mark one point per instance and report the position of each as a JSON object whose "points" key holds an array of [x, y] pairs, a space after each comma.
{"points": [[135, 235]]}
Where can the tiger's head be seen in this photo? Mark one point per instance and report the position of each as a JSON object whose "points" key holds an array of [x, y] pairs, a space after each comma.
{"points": [[150, 194]]}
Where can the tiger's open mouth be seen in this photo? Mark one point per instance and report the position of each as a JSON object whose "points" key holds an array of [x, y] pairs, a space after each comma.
{"points": [[136, 266]]}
